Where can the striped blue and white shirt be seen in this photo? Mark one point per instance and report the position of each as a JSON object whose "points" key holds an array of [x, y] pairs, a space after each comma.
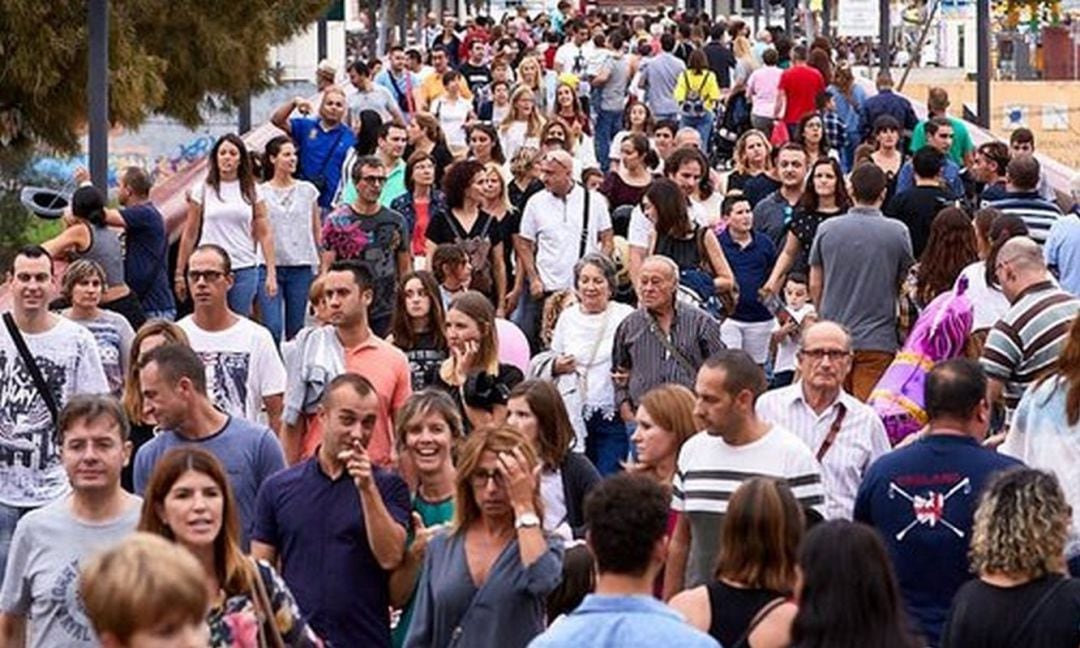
{"points": [[1038, 213]]}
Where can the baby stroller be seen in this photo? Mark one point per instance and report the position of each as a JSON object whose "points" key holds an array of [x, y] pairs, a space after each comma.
{"points": [[732, 120]]}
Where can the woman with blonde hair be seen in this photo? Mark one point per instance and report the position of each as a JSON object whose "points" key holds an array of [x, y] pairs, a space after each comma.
{"points": [[523, 124], [755, 571], [1022, 596], [530, 74], [753, 157], [665, 420], [486, 578], [745, 63]]}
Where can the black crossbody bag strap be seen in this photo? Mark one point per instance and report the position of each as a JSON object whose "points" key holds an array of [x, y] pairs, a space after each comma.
{"points": [[1033, 614], [32, 367], [584, 224]]}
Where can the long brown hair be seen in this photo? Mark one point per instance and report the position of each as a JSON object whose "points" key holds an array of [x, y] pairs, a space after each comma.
{"points": [[232, 568], [950, 249], [478, 308], [405, 338], [672, 217], [488, 439], [1067, 367], [554, 432], [244, 172], [133, 403], [760, 535]]}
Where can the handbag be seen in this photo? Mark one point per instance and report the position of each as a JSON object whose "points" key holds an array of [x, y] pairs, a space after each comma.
{"points": [[269, 635], [32, 368], [779, 135]]}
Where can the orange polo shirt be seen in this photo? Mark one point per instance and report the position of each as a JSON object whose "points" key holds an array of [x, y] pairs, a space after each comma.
{"points": [[386, 367]]}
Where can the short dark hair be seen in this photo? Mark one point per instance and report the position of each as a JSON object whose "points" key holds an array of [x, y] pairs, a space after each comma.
{"points": [[822, 100], [226, 261], [360, 67], [367, 161], [669, 124], [954, 388], [414, 55], [1022, 135], [797, 277], [996, 152], [927, 162], [1023, 172], [32, 252], [731, 200], [934, 124], [384, 130], [717, 32], [447, 254], [625, 515], [667, 42], [868, 183], [438, 49], [359, 384], [360, 271], [176, 361], [799, 53], [90, 408], [740, 371], [138, 180], [770, 57]]}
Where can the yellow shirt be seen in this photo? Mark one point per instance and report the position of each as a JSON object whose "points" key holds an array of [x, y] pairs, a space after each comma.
{"points": [[432, 88], [703, 83]]}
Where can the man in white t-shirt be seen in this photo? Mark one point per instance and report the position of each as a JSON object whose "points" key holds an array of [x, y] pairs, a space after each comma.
{"points": [[735, 446], [244, 373], [554, 235], [31, 473]]}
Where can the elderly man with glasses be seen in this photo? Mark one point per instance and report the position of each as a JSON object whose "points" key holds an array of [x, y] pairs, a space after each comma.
{"points": [[560, 225], [844, 434]]}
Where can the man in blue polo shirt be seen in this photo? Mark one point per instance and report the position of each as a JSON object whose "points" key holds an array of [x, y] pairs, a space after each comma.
{"points": [[751, 256], [922, 498], [321, 142], [337, 521]]}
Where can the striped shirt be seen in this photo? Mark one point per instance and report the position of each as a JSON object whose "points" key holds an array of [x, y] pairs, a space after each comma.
{"points": [[1027, 340], [1038, 214], [708, 472], [860, 440]]}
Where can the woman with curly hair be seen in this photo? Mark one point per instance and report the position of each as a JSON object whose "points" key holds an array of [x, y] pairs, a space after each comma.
{"points": [[1045, 431], [1021, 597], [950, 249]]}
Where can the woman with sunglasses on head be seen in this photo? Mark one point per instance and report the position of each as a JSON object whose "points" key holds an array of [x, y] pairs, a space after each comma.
{"points": [[418, 326], [486, 579], [229, 210], [190, 502]]}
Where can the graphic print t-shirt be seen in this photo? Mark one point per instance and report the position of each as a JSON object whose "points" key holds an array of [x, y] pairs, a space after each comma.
{"points": [[242, 366], [376, 240], [67, 355], [113, 335], [42, 578]]}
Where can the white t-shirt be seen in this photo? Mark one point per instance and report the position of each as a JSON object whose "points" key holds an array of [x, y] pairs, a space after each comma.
{"points": [[554, 224], [452, 116], [242, 366], [590, 337], [990, 303], [640, 230], [67, 355], [226, 221], [114, 336], [513, 137], [786, 349]]}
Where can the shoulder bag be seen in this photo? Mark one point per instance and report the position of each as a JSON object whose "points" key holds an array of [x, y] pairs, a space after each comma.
{"points": [[269, 635], [32, 368]]}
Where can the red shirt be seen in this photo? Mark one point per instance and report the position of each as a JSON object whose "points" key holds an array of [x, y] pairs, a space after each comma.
{"points": [[801, 84], [419, 233]]}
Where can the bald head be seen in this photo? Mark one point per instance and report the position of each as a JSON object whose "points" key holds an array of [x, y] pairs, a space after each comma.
{"points": [[688, 138], [824, 331], [1023, 254], [661, 264]]}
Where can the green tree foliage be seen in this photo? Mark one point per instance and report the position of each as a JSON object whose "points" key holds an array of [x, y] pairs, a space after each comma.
{"points": [[165, 56]]}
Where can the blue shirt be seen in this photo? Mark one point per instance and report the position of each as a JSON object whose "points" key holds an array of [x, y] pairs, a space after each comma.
{"points": [[322, 153], [751, 266], [604, 621], [249, 452], [317, 526], [887, 102], [921, 499], [146, 267], [1062, 252], [950, 173]]}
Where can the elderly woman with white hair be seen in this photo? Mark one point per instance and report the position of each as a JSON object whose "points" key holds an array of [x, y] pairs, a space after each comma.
{"points": [[581, 363]]}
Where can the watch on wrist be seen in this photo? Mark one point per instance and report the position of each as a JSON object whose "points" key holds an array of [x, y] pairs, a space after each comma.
{"points": [[526, 521]]}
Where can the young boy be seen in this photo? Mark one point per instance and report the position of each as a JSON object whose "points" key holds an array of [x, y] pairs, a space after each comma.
{"points": [[788, 327], [146, 592]]}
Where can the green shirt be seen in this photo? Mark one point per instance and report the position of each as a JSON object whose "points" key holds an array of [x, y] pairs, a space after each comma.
{"points": [[961, 142], [392, 188], [432, 514]]}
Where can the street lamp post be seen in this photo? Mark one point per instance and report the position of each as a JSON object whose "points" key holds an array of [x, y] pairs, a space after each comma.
{"points": [[884, 53], [982, 88], [98, 93]]}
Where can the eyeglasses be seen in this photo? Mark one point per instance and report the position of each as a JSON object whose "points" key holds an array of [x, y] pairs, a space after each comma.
{"points": [[480, 478], [819, 354], [373, 179], [210, 276]]}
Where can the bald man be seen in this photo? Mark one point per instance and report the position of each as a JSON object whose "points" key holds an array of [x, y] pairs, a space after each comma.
{"points": [[1027, 340], [664, 341], [844, 434]]}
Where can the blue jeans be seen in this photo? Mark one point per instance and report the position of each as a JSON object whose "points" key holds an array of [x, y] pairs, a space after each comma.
{"points": [[242, 294], [527, 317], [288, 307], [9, 517], [702, 123], [608, 123], [606, 442], [169, 314]]}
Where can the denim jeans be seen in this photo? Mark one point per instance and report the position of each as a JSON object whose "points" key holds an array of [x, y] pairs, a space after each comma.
{"points": [[608, 124], [286, 309], [169, 314], [606, 442], [9, 517], [527, 317], [242, 294], [702, 123]]}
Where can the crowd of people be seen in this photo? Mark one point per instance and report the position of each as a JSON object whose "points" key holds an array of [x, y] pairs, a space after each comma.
{"points": [[568, 330]]}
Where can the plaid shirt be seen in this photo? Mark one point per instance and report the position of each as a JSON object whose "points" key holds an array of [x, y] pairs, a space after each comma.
{"points": [[835, 129]]}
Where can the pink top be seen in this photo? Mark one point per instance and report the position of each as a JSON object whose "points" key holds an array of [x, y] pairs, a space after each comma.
{"points": [[762, 88]]}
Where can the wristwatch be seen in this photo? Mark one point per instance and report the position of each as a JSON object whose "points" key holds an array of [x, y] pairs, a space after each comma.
{"points": [[527, 520]]}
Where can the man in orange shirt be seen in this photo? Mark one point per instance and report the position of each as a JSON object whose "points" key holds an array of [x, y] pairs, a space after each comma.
{"points": [[347, 346]]}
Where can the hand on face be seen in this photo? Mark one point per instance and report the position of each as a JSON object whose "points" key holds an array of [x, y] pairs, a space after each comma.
{"points": [[358, 464], [521, 483]]}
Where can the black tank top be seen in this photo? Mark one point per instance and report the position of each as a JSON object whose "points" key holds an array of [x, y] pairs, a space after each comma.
{"points": [[685, 252], [733, 609]]}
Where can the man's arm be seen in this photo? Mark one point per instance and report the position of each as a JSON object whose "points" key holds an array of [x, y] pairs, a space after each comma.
{"points": [[292, 439], [817, 284], [384, 534], [526, 253], [678, 550], [12, 630], [263, 551], [274, 404], [280, 117]]}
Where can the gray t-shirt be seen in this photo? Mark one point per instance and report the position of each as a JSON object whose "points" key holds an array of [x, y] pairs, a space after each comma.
{"points": [[864, 257], [378, 99], [41, 582], [613, 92], [249, 452], [661, 75], [114, 336], [31, 474]]}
